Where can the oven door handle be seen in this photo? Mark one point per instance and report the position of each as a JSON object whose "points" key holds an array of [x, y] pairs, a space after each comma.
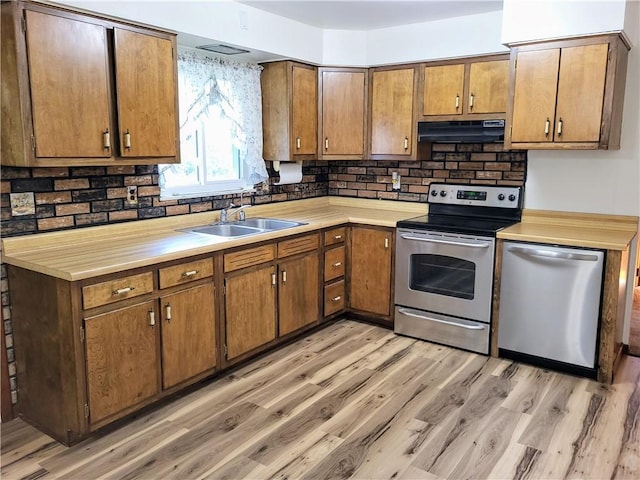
{"points": [[454, 324], [446, 242]]}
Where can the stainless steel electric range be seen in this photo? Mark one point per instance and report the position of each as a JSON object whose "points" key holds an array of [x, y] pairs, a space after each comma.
{"points": [[445, 264]]}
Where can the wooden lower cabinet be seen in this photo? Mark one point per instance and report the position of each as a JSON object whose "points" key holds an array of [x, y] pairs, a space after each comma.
{"points": [[188, 334], [250, 310], [298, 293], [122, 360], [370, 278]]}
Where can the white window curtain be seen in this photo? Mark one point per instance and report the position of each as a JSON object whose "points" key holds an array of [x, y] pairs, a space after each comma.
{"points": [[230, 93]]}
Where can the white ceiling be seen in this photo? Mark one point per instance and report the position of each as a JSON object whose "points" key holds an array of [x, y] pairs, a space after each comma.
{"points": [[371, 14]]}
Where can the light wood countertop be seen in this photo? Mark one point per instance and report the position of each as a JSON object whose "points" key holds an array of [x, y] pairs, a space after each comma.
{"points": [[609, 232], [90, 252]]}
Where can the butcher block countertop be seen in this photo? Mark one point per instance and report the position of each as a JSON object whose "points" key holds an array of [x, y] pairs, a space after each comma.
{"points": [[609, 232], [90, 252]]}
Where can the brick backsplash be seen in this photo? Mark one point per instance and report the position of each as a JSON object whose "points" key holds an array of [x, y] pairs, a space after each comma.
{"points": [[77, 197]]}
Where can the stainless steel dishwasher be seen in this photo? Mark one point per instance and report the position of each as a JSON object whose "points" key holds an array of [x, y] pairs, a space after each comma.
{"points": [[550, 305]]}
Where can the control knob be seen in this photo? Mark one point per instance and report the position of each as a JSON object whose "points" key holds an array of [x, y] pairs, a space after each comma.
{"points": [[434, 193], [443, 193], [501, 196], [512, 197]]}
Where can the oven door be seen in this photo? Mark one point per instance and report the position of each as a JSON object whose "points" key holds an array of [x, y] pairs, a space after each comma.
{"points": [[445, 273]]}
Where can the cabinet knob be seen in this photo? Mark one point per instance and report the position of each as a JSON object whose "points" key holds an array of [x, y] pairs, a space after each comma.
{"points": [[457, 101], [337, 264], [406, 143], [120, 291], [326, 143], [190, 273], [337, 237], [386, 242], [298, 143], [106, 139], [471, 97], [560, 127], [167, 308], [273, 279], [152, 318], [547, 126], [336, 299], [284, 276]]}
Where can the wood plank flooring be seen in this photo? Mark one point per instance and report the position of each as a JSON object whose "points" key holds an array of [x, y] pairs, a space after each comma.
{"points": [[356, 401]]}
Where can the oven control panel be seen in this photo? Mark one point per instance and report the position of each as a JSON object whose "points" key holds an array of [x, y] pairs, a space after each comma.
{"points": [[480, 195]]}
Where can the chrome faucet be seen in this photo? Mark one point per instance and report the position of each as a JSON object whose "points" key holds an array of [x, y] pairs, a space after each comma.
{"points": [[225, 214]]}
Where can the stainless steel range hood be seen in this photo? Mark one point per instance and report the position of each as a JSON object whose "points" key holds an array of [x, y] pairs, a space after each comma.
{"points": [[463, 131]]}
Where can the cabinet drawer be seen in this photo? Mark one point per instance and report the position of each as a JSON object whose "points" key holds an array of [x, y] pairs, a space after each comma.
{"points": [[333, 263], [249, 257], [298, 245], [186, 272], [334, 298], [116, 290], [337, 235]]}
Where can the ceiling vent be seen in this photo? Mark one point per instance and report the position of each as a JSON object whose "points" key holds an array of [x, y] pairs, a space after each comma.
{"points": [[223, 49]]}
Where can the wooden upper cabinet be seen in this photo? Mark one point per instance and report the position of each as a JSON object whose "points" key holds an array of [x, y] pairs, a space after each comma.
{"points": [[343, 122], [145, 69], [68, 66], [567, 94], [392, 120], [289, 111], [474, 88], [74, 84], [443, 90]]}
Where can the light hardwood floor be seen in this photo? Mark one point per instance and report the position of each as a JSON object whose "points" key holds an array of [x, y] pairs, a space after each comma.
{"points": [[356, 401]]}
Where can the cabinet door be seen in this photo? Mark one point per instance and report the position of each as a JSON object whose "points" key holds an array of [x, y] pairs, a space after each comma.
{"points": [[581, 93], [145, 80], [298, 295], [122, 359], [392, 112], [305, 111], [69, 86], [443, 90], [535, 95], [188, 334], [343, 95], [250, 303], [371, 270], [488, 87]]}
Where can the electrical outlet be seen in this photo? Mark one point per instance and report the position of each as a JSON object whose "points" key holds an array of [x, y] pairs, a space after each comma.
{"points": [[395, 181], [132, 195]]}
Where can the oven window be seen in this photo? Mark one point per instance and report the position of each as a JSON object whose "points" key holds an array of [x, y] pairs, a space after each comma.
{"points": [[442, 275]]}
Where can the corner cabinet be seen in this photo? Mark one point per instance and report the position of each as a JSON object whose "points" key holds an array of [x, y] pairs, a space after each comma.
{"points": [[342, 115], [567, 94], [370, 278], [83, 90], [455, 90], [392, 124], [289, 111]]}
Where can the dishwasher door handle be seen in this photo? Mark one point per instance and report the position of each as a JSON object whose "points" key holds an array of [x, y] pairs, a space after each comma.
{"points": [[446, 322], [445, 242], [535, 252]]}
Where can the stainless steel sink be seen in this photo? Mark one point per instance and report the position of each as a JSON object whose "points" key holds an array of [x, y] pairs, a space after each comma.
{"points": [[268, 223], [242, 228], [225, 230]]}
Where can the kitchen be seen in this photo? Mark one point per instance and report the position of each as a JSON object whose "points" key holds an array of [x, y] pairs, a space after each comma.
{"points": [[541, 192]]}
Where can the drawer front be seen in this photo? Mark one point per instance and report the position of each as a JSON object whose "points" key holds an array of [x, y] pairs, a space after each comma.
{"points": [[116, 290], [186, 272], [336, 235], [298, 245], [333, 263], [249, 257], [334, 298]]}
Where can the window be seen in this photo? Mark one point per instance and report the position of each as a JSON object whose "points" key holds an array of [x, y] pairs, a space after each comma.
{"points": [[220, 129]]}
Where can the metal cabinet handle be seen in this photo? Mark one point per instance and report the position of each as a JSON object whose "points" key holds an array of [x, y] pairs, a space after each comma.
{"points": [[536, 252], [560, 127], [120, 291], [453, 324], [127, 140], [457, 101], [152, 318], [547, 126], [284, 276], [167, 308], [298, 143], [106, 139], [190, 273], [337, 264], [336, 299], [471, 97], [326, 143], [406, 143]]}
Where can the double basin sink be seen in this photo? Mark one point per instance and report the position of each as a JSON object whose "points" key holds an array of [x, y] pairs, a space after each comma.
{"points": [[243, 228]]}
